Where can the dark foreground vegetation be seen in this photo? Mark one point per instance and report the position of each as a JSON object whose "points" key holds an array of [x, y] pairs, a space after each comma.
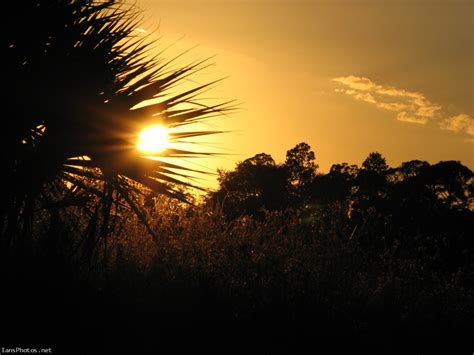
{"points": [[101, 251], [384, 267]]}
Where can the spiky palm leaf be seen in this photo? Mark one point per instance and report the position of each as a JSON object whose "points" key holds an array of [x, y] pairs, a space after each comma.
{"points": [[78, 76]]}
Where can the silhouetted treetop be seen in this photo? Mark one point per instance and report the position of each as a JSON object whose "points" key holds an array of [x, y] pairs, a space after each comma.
{"points": [[375, 162], [257, 183], [336, 185], [261, 159], [300, 163], [415, 193], [412, 168]]}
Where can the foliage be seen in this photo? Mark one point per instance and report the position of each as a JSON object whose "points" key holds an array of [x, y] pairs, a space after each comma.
{"points": [[418, 204], [78, 76], [336, 185], [257, 183], [319, 276], [375, 163], [399, 266], [301, 169]]}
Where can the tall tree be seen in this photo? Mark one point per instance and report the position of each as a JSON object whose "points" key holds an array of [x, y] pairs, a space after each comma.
{"points": [[375, 163], [301, 167]]}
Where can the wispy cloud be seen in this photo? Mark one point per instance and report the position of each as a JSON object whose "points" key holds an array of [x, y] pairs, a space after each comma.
{"points": [[410, 106], [459, 123]]}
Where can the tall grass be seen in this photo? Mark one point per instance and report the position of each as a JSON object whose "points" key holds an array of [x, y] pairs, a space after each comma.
{"points": [[278, 280], [290, 273]]}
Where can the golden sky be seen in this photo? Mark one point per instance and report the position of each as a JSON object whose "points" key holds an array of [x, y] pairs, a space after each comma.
{"points": [[347, 77]]}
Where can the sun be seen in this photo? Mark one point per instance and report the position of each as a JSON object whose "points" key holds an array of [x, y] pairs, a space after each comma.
{"points": [[153, 139]]}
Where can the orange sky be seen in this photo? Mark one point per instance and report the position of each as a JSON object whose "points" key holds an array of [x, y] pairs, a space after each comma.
{"points": [[347, 77]]}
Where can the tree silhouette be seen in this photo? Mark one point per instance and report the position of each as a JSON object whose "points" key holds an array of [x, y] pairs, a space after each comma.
{"points": [[371, 179], [78, 73], [301, 167], [336, 185], [256, 183], [375, 163]]}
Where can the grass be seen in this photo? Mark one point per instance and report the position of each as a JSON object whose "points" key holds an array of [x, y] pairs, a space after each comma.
{"points": [[273, 285], [290, 281]]}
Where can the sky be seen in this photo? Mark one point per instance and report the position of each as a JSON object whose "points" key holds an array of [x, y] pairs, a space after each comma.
{"points": [[346, 77]]}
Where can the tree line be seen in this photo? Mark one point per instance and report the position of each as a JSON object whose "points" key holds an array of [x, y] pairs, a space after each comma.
{"points": [[414, 203]]}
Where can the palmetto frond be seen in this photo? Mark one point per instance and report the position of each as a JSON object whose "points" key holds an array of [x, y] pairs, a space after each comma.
{"points": [[78, 78]]}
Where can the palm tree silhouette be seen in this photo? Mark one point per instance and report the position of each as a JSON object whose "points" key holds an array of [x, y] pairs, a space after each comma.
{"points": [[76, 71]]}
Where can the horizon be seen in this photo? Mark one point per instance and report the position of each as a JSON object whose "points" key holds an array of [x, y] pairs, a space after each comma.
{"points": [[346, 78]]}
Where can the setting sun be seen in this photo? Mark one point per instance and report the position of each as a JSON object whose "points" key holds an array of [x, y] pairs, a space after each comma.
{"points": [[153, 139]]}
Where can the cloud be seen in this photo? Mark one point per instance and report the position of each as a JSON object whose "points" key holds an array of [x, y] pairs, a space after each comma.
{"points": [[410, 106], [393, 106], [406, 117], [364, 97], [356, 83], [459, 123]]}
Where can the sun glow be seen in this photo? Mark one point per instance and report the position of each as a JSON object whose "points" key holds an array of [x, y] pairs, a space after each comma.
{"points": [[153, 139]]}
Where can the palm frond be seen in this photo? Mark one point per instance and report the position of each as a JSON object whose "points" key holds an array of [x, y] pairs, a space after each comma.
{"points": [[83, 84]]}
